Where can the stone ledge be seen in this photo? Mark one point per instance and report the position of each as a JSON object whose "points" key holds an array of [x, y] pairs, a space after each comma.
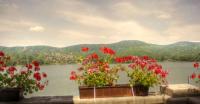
{"points": [[157, 99], [182, 90]]}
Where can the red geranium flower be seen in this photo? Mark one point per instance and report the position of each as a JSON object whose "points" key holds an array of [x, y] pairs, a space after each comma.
{"points": [[142, 64], [118, 60], [36, 63], [29, 66], [73, 77], [146, 57], [11, 69], [199, 76], [41, 87], [193, 76], [37, 76], [1, 69], [94, 56], [73, 72], [44, 75], [1, 62], [164, 74], [107, 50], [85, 49], [151, 67], [2, 54], [37, 68], [196, 65], [158, 71]]}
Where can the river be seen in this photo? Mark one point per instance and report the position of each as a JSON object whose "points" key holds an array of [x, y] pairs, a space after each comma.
{"points": [[60, 85]]}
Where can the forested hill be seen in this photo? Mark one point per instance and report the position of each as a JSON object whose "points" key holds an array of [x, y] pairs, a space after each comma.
{"points": [[180, 51]]}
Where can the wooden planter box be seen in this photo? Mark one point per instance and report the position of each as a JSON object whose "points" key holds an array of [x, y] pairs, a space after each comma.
{"points": [[107, 91], [11, 94]]}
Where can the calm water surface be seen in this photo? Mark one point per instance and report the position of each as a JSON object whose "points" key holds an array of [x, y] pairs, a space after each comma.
{"points": [[60, 85]]}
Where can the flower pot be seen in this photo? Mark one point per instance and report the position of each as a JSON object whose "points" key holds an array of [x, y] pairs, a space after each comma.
{"points": [[106, 91], [11, 94], [140, 90]]}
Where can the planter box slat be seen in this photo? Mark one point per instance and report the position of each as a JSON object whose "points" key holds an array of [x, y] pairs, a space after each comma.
{"points": [[107, 91]]}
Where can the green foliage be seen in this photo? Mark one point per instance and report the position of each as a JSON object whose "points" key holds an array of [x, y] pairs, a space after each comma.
{"points": [[142, 77], [96, 79]]}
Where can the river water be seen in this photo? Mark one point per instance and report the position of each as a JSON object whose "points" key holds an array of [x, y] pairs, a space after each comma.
{"points": [[60, 85]]}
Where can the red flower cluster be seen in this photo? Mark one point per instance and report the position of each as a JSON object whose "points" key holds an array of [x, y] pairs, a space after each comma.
{"points": [[196, 65], [44, 74], [132, 58], [124, 59], [29, 66], [40, 86], [98, 66], [2, 54], [195, 75], [73, 75], [37, 76], [93, 56], [11, 70], [37, 65], [85, 49], [107, 50], [2, 68], [143, 62]]}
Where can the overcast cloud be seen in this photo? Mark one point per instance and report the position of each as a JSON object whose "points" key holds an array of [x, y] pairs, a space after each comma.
{"points": [[67, 22]]}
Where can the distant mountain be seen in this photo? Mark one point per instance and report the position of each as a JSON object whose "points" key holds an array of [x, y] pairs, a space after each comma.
{"points": [[180, 51]]}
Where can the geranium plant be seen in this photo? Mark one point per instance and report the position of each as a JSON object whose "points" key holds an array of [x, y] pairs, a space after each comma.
{"points": [[196, 74], [28, 77], [143, 71], [95, 71]]}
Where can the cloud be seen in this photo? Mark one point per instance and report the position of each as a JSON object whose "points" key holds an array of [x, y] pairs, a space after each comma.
{"points": [[37, 29], [75, 22], [129, 27], [164, 16], [183, 33]]}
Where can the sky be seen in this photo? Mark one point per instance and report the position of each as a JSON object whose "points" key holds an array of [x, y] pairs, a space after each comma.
{"points": [[63, 23]]}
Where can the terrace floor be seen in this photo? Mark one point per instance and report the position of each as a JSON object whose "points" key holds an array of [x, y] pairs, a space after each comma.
{"points": [[154, 99]]}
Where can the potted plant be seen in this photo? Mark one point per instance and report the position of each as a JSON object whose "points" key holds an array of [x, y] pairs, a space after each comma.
{"points": [[143, 72], [15, 82], [96, 78], [196, 74]]}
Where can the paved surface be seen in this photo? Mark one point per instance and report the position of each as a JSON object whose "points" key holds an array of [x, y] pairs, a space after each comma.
{"points": [[157, 99], [44, 100]]}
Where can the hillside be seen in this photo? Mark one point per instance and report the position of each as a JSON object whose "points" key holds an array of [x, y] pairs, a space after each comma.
{"points": [[180, 51]]}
